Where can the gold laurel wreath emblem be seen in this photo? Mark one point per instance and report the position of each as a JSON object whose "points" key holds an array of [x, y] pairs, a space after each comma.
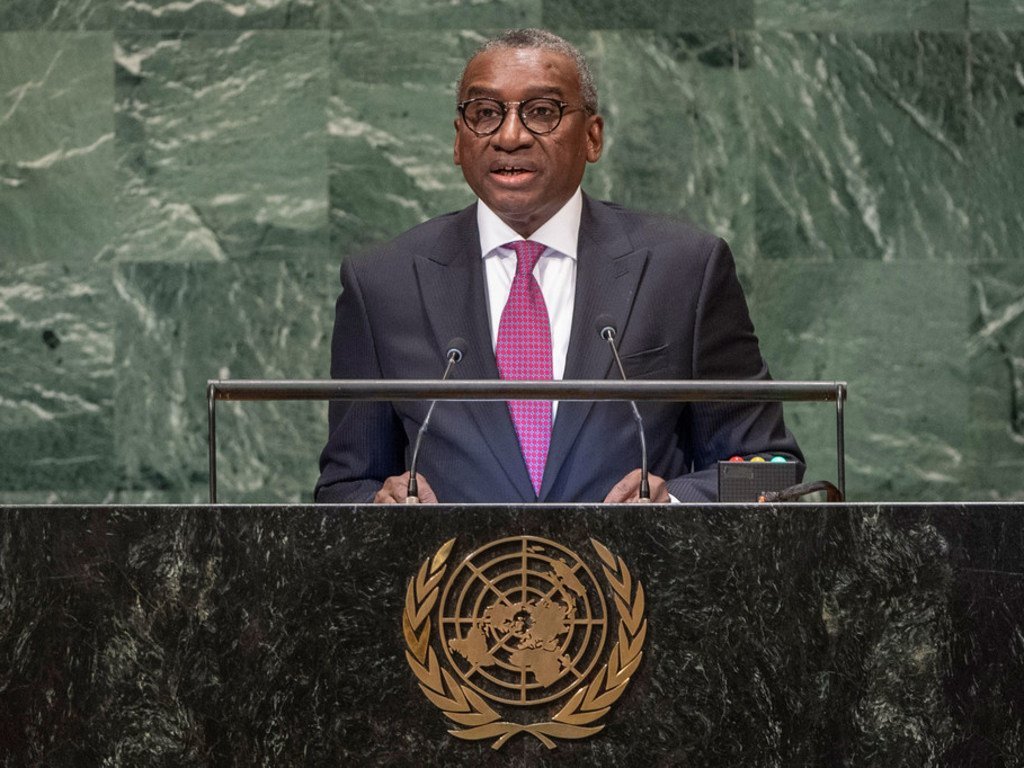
{"points": [[577, 719]]}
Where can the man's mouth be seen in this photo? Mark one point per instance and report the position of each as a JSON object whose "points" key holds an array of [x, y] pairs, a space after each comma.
{"points": [[511, 171]]}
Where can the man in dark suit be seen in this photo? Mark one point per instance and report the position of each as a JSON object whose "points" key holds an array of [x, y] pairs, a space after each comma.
{"points": [[523, 276]]}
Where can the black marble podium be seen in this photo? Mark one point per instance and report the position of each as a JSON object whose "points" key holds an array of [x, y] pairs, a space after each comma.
{"points": [[821, 635]]}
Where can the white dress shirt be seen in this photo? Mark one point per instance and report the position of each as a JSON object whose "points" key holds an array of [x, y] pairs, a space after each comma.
{"points": [[555, 271]]}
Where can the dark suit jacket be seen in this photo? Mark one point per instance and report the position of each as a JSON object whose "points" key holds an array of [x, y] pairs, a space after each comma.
{"points": [[681, 314]]}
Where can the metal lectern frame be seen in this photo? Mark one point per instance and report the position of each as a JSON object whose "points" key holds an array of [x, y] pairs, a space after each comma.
{"points": [[494, 389]]}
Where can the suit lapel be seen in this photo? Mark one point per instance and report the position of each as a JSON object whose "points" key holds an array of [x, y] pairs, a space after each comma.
{"points": [[452, 286], [608, 273]]}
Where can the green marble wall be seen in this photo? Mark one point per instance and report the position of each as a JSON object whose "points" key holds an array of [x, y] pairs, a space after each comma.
{"points": [[178, 181]]}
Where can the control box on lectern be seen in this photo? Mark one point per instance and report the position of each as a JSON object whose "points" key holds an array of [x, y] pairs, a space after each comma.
{"points": [[741, 481]]}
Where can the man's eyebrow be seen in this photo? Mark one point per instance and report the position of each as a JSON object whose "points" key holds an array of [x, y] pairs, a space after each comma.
{"points": [[479, 92], [482, 92]]}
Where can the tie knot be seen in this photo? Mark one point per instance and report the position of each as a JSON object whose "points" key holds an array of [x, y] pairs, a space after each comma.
{"points": [[527, 253]]}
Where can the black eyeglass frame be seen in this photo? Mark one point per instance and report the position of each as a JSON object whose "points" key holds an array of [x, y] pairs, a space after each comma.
{"points": [[563, 107]]}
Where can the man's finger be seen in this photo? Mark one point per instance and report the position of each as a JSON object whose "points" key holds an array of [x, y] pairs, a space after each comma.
{"points": [[394, 490], [659, 490], [626, 490], [427, 495]]}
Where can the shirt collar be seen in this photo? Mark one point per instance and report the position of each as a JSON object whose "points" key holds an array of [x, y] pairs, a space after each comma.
{"points": [[560, 233]]}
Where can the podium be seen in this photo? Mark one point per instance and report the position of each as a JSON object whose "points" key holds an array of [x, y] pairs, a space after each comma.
{"points": [[847, 634]]}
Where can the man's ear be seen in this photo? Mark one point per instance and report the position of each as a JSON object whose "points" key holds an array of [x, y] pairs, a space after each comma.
{"points": [[456, 153], [595, 138]]}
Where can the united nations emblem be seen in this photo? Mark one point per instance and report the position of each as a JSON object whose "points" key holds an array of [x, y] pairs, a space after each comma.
{"points": [[523, 623]]}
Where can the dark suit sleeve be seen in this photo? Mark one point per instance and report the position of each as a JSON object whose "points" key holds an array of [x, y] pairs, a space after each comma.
{"points": [[725, 347], [365, 443]]}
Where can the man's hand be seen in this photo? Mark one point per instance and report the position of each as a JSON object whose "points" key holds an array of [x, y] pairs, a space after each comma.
{"points": [[396, 489], [627, 490]]}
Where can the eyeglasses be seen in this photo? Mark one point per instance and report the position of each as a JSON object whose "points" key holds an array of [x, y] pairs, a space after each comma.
{"points": [[540, 116]]}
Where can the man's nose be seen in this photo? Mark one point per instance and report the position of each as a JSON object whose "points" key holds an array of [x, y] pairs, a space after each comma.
{"points": [[511, 134]]}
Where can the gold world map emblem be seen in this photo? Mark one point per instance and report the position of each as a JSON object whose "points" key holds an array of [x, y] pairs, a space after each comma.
{"points": [[523, 623]]}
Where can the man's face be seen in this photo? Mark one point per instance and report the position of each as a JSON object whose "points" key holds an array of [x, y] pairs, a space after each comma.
{"points": [[522, 177]]}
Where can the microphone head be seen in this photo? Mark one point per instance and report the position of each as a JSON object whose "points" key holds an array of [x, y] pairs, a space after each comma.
{"points": [[456, 349], [605, 325]]}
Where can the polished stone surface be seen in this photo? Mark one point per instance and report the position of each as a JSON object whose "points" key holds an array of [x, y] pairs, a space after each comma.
{"points": [[997, 14], [57, 398], [220, 14], [56, 14], [199, 169], [996, 365], [390, 129], [221, 146], [862, 141], [403, 15], [800, 635], [996, 145], [862, 15], [681, 100], [56, 147], [905, 418], [182, 324], [672, 15]]}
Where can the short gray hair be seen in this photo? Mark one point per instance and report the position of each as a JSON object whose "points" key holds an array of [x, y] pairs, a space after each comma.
{"points": [[545, 41]]}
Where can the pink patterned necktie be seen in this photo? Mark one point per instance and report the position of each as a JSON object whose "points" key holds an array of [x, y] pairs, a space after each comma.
{"points": [[524, 352]]}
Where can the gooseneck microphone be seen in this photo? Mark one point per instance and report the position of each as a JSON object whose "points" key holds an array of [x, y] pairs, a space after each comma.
{"points": [[453, 355], [606, 330]]}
